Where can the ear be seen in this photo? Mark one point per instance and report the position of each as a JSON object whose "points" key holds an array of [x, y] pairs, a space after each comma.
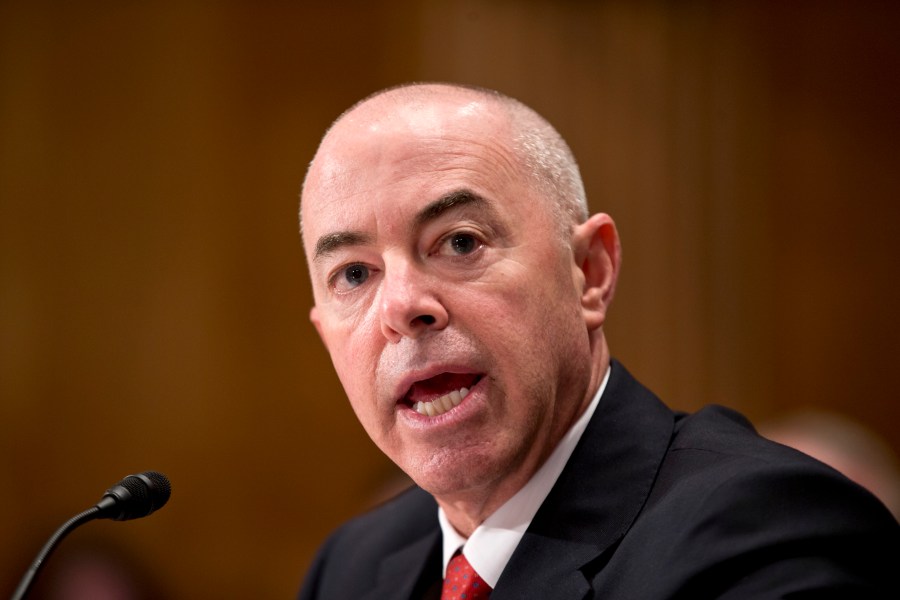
{"points": [[314, 317], [598, 256]]}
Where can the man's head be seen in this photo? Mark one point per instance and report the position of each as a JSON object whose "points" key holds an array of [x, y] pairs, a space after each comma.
{"points": [[459, 286]]}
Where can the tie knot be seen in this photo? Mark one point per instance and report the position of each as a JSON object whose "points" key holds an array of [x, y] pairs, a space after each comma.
{"points": [[462, 582]]}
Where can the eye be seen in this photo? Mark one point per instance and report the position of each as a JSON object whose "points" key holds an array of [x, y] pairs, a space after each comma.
{"points": [[350, 277], [462, 243]]}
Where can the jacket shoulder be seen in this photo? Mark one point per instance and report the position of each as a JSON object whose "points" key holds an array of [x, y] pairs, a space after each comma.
{"points": [[731, 510], [355, 556]]}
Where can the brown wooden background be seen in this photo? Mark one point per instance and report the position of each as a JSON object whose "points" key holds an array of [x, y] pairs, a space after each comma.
{"points": [[153, 293]]}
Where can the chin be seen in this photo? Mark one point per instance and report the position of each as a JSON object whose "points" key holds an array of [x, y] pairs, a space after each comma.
{"points": [[443, 475]]}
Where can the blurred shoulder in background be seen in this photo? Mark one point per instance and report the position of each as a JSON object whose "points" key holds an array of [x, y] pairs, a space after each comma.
{"points": [[844, 444]]}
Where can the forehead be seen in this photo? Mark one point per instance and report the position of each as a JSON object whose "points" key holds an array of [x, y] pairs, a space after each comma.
{"points": [[389, 157]]}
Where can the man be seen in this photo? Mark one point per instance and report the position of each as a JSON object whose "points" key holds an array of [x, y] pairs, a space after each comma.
{"points": [[461, 290]]}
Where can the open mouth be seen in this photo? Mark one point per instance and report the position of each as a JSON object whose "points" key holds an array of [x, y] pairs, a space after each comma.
{"points": [[436, 395]]}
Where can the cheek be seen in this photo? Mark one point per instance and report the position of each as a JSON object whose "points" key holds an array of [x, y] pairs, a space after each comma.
{"points": [[353, 351], [356, 374], [510, 323], [532, 321], [526, 300], [356, 377]]}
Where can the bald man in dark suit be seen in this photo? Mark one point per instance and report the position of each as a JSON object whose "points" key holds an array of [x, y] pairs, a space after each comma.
{"points": [[461, 289]]}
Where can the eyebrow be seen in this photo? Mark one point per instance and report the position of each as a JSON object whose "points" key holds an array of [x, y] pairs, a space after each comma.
{"points": [[331, 242], [455, 199]]}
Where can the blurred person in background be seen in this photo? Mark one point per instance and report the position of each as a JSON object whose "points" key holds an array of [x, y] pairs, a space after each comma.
{"points": [[848, 446], [93, 567]]}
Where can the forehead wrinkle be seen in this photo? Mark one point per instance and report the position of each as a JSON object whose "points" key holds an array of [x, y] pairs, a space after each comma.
{"points": [[490, 161]]}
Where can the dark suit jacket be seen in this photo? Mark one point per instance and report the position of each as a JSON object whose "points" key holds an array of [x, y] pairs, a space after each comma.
{"points": [[652, 504]]}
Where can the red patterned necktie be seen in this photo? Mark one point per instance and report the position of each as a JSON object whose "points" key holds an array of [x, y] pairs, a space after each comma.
{"points": [[462, 582]]}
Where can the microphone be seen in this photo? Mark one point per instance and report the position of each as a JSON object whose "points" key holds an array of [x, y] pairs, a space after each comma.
{"points": [[134, 497]]}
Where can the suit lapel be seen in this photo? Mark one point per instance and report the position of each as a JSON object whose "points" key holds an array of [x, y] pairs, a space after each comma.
{"points": [[407, 570], [596, 498]]}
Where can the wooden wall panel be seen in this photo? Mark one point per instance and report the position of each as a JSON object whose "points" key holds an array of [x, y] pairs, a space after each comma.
{"points": [[153, 293]]}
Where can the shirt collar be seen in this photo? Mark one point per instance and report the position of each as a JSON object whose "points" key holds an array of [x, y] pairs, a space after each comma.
{"points": [[493, 542]]}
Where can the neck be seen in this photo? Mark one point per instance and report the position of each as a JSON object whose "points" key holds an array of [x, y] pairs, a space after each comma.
{"points": [[467, 509]]}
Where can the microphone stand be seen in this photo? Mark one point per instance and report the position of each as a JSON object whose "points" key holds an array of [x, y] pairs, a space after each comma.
{"points": [[79, 519]]}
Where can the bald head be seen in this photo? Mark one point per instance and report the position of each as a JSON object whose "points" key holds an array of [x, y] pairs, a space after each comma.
{"points": [[539, 152]]}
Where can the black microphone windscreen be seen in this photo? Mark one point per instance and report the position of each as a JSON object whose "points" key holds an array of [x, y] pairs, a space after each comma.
{"points": [[135, 496]]}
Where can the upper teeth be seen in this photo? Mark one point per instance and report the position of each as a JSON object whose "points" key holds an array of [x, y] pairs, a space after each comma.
{"points": [[439, 406]]}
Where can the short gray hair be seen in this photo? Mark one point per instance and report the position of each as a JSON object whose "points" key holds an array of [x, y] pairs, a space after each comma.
{"points": [[549, 160]]}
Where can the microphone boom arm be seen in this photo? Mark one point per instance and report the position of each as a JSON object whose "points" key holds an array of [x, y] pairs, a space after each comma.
{"points": [[79, 519]]}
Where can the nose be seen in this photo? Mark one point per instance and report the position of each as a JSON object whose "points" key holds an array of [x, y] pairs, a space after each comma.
{"points": [[409, 304]]}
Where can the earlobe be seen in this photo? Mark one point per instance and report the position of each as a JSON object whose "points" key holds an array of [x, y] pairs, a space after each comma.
{"points": [[314, 318], [597, 254]]}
